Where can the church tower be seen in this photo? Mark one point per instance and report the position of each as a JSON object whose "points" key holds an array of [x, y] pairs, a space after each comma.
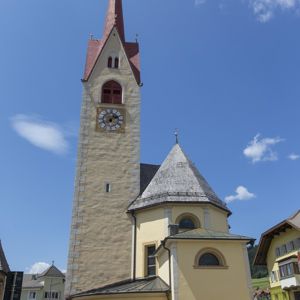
{"points": [[108, 165]]}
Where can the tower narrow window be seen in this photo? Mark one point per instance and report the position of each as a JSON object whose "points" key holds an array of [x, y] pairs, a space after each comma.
{"points": [[109, 62], [111, 93], [116, 63], [150, 260], [107, 188]]}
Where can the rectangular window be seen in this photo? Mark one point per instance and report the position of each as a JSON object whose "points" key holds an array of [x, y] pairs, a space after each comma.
{"points": [[273, 276], [283, 249], [288, 270], [51, 295], [150, 260], [277, 252], [297, 244], [32, 295], [290, 246]]}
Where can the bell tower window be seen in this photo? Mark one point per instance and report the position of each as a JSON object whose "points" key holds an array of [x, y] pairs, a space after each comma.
{"points": [[109, 62], [111, 93], [113, 62], [116, 63]]}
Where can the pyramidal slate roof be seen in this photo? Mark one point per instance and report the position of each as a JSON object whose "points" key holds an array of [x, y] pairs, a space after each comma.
{"points": [[52, 271], [4, 267], [177, 180]]}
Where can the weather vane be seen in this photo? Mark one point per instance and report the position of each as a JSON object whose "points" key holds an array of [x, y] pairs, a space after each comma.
{"points": [[176, 136]]}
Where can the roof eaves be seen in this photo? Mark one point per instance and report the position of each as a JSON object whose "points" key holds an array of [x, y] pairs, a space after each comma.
{"points": [[250, 240], [266, 238], [229, 213], [119, 289]]}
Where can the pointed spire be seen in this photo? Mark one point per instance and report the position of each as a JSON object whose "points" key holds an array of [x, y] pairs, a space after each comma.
{"points": [[114, 18]]}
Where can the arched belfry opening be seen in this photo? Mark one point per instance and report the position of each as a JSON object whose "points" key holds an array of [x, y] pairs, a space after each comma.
{"points": [[111, 93]]}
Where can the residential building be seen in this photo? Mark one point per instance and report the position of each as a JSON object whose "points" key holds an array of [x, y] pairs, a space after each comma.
{"points": [[142, 231], [4, 270], [10, 282], [279, 250], [48, 285]]}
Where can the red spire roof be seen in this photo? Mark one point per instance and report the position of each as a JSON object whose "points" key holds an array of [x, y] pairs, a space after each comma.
{"points": [[114, 17]]}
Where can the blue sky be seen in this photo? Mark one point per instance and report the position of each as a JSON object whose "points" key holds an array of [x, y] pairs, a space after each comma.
{"points": [[226, 73]]}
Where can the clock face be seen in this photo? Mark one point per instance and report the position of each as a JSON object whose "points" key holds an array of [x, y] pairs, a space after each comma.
{"points": [[110, 119]]}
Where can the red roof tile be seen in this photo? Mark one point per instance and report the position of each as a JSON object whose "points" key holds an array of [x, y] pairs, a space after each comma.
{"points": [[114, 19]]}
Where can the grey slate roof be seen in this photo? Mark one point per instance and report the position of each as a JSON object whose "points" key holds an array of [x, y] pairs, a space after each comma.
{"points": [[204, 234], [52, 271], [177, 180], [147, 173], [144, 285], [37, 280], [31, 281], [4, 267]]}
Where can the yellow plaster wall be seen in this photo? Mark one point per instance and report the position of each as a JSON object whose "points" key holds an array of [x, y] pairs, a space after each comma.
{"points": [[150, 230], [283, 238], [163, 266], [212, 284], [218, 217]]}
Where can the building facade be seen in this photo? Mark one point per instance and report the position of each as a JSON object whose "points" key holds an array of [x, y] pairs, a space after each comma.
{"points": [[49, 285], [279, 250], [4, 270], [142, 231], [10, 281]]}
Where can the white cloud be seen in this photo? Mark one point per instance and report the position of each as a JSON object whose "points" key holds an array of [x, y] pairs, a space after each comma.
{"points": [[260, 149], [294, 156], [199, 2], [38, 268], [241, 194], [264, 10], [46, 135]]}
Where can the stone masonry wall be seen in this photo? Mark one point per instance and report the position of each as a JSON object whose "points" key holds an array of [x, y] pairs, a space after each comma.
{"points": [[100, 241]]}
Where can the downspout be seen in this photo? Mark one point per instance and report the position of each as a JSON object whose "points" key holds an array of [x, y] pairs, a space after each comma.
{"points": [[169, 252], [134, 245]]}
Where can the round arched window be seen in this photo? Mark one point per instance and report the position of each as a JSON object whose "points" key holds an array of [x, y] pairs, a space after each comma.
{"points": [[111, 93], [208, 259], [187, 223]]}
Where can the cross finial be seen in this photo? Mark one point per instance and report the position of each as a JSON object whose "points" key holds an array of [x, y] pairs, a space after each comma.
{"points": [[176, 136], [136, 37], [52, 262]]}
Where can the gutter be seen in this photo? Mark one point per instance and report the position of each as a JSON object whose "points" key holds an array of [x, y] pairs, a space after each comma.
{"points": [[134, 244]]}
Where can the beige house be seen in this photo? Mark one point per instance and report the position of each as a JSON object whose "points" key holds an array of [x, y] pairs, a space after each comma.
{"points": [[142, 231], [48, 285], [279, 250]]}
